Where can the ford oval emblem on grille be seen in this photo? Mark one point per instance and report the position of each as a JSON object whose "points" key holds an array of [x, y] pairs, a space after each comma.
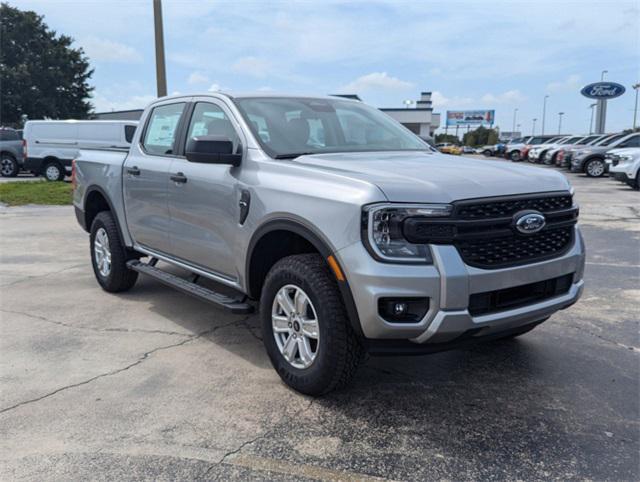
{"points": [[528, 222]]}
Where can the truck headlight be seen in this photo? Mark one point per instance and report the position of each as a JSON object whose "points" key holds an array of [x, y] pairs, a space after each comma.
{"points": [[383, 236]]}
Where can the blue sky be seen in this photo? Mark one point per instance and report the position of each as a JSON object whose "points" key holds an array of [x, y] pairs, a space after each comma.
{"points": [[470, 54]]}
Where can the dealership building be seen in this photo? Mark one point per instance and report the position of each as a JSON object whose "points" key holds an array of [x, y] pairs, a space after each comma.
{"points": [[420, 120]]}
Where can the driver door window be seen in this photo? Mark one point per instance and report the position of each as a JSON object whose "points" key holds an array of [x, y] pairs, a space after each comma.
{"points": [[210, 120]]}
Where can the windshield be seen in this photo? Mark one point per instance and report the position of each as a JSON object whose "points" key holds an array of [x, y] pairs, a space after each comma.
{"points": [[290, 127]]}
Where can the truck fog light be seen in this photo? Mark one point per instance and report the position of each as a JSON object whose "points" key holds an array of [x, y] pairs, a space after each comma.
{"points": [[403, 310]]}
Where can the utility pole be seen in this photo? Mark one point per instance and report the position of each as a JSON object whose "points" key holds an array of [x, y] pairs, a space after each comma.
{"points": [[602, 75], [635, 109], [161, 72], [533, 129], [560, 114], [591, 121], [514, 119], [544, 112]]}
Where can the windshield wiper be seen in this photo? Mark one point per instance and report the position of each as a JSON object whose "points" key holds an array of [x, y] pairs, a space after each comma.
{"points": [[294, 155]]}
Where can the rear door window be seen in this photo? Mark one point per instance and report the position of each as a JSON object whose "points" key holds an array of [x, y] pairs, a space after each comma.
{"points": [[160, 133]]}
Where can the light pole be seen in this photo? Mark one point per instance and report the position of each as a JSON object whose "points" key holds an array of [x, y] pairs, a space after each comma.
{"points": [[518, 128], [161, 72], [533, 128], [515, 111], [591, 121], [407, 103], [635, 109], [544, 112], [560, 114], [602, 75]]}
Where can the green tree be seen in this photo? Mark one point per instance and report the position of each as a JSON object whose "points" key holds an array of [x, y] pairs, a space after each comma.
{"points": [[480, 137], [41, 75]]}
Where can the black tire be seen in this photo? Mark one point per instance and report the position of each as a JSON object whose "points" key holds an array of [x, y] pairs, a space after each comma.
{"points": [[8, 166], [53, 171], [636, 186], [487, 153], [339, 352], [515, 156], [594, 167], [119, 277]]}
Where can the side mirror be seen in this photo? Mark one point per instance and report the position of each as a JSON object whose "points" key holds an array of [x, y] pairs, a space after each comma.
{"points": [[212, 150]]}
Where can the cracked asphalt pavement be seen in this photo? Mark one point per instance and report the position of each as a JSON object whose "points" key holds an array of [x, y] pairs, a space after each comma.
{"points": [[152, 384]]}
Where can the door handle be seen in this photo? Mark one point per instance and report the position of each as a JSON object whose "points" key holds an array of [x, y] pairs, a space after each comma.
{"points": [[134, 171], [179, 177]]}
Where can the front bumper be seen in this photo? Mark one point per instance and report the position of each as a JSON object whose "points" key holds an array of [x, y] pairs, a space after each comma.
{"points": [[448, 284], [576, 165]]}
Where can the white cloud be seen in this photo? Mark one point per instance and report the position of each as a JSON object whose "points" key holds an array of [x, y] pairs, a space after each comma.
{"points": [[197, 78], [104, 104], [508, 97], [252, 66], [570, 83], [265, 88], [375, 81], [439, 100], [215, 88], [104, 50]]}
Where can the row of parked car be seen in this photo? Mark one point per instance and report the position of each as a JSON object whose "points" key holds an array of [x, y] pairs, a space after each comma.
{"points": [[47, 148], [592, 154]]}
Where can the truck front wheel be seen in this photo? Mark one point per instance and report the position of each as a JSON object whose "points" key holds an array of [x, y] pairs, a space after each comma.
{"points": [[305, 326], [108, 255]]}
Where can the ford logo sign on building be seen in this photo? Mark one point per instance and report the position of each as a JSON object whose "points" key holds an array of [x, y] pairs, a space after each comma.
{"points": [[529, 223], [603, 90]]}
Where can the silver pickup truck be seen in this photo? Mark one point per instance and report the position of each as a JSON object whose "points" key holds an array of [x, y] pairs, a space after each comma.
{"points": [[346, 231]]}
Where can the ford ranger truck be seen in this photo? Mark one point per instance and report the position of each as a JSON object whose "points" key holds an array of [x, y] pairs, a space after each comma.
{"points": [[344, 230]]}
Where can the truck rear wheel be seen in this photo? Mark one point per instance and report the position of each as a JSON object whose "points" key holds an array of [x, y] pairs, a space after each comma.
{"points": [[53, 171], [108, 255], [8, 166], [305, 326]]}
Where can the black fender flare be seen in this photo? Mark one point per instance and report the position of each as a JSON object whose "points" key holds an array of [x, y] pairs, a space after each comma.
{"points": [[95, 188], [318, 241]]}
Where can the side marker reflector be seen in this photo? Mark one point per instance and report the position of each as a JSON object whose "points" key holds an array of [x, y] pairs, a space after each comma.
{"points": [[335, 268]]}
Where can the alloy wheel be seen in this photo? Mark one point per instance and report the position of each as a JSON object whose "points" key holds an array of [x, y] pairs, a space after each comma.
{"points": [[295, 326], [6, 167], [102, 252], [595, 168]]}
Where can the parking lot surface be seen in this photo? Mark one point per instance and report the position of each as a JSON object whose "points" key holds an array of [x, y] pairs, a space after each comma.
{"points": [[154, 384]]}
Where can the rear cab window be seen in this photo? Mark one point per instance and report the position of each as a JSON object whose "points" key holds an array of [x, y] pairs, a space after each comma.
{"points": [[129, 131]]}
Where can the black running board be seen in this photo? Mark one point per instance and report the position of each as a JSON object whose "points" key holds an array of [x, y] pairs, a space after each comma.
{"points": [[234, 305]]}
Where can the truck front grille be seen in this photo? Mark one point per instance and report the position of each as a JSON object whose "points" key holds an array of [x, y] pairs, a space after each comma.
{"points": [[497, 208], [515, 249], [484, 233]]}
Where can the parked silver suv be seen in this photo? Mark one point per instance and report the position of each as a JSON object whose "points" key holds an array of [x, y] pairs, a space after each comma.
{"points": [[347, 231]]}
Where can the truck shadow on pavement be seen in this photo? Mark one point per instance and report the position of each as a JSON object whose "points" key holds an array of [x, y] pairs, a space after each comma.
{"points": [[518, 406]]}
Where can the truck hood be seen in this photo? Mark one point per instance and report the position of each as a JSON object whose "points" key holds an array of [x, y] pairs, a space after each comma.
{"points": [[438, 178]]}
